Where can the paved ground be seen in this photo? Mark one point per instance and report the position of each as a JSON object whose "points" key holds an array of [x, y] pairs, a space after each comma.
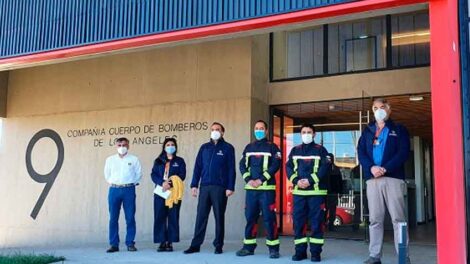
{"points": [[335, 251]]}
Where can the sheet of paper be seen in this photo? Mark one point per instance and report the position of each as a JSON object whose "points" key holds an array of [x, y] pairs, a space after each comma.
{"points": [[159, 191]]}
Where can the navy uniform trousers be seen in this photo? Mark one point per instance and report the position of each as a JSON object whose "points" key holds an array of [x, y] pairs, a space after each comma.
{"points": [[309, 208], [264, 202]]}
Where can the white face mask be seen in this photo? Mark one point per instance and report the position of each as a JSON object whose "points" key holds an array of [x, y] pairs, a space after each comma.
{"points": [[215, 135], [122, 150], [380, 115], [307, 138]]}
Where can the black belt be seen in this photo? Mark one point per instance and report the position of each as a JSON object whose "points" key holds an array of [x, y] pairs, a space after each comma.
{"points": [[123, 185]]}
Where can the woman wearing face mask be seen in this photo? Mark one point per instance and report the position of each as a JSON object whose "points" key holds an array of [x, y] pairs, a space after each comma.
{"points": [[166, 220]]}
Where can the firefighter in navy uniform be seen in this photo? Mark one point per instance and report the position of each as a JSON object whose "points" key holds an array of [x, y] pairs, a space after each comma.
{"points": [[259, 164], [307, 169]]}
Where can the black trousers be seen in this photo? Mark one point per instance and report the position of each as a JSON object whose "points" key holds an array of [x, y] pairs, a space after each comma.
{"points": [[166, 224], [331, 204], [210, 196]]}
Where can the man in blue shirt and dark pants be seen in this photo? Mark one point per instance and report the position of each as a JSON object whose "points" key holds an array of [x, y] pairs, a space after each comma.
{"points": [[383, 149], [214, 172]]}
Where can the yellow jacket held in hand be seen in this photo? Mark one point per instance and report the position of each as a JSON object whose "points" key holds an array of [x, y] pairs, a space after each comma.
{"points": [[177, 191]]}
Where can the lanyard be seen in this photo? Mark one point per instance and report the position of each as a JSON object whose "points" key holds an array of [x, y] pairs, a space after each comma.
{"points": [[377, 134], [167, 170]]}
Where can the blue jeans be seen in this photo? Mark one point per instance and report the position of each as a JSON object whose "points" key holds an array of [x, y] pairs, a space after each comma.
{"points": [[126, 198]]}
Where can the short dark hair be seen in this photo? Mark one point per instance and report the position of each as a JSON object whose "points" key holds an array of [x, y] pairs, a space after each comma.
{"points": [[332, 157], [308, 126], [219, 124], [264, 123], [121, 139]]}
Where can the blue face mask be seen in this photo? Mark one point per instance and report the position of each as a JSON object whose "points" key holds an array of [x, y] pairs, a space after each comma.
{"points": [[170, 150], [260, 134]]}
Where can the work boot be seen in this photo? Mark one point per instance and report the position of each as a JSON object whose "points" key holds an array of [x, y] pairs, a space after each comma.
{"points": [[244, 252], [372, 260], [191, 250], [112, 249], [315, 258], [218, 250], [274, 254], [299, 256]]}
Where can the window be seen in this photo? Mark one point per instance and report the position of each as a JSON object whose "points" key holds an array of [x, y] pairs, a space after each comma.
{"points": [[300, 53], [410, 39], [356, 46], [351, 46]]}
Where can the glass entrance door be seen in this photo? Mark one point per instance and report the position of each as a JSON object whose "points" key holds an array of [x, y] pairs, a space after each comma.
{"points": [[345, 211]]}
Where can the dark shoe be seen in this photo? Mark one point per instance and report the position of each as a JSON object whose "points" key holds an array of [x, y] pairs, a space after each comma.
{"points": [[299, 257], [218, 250], [131, 248], [169, 247], [162, 247], [112, 249], [372, 260], [191, 250], [244, 252], [315, 258], [274, 254]]}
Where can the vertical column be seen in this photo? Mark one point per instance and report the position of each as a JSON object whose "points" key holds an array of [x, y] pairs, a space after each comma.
{"points": [[3, 93], [447, 132], [419, 180]]}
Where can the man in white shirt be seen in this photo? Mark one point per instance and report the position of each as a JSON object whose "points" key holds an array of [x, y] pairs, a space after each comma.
{"points": [[123, 172]]}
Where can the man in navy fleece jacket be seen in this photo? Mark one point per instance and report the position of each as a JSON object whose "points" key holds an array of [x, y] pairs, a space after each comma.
{"points": [[214, 181], [383, 149]]}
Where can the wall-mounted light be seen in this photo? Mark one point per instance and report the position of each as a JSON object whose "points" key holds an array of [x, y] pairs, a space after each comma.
{"points": [[416, 98], [411, 38]]}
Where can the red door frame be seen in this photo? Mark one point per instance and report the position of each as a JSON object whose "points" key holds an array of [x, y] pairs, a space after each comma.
{"points": [[445, 87]]}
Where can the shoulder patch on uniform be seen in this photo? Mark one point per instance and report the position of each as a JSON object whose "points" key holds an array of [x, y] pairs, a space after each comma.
{"points": [[278, 155]]}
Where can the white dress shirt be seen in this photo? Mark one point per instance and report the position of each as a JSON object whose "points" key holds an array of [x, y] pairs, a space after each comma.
{"points": [[125, 170]]}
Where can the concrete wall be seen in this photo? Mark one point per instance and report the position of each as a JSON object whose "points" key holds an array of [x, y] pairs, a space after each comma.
{"points": [[189, 84], [260, 78], [3, 93], [380, 83], [187, 87]]}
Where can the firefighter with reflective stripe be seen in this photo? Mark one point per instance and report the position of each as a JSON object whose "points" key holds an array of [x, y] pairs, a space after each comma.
{"points": [[307, 169], [260, 161]]}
